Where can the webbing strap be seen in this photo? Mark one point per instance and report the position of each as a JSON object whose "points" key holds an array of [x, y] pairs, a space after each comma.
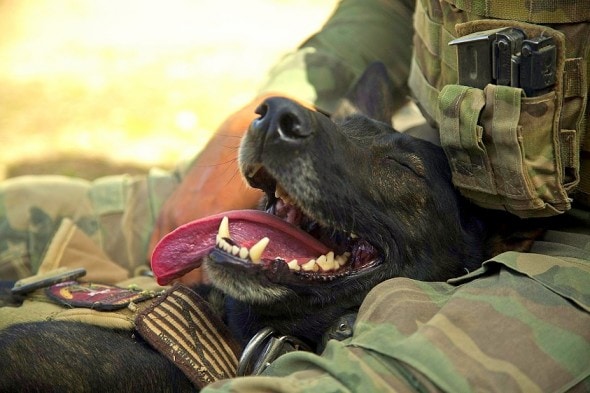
{"points": [[574, 85], [435, 37], [182, 327], [461, 138], [531, 11]]}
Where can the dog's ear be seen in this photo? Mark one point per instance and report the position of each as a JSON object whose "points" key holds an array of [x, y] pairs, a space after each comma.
{"points": [[372, 96]]}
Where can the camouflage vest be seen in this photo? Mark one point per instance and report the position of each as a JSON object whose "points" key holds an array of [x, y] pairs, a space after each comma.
{"points": [[525, 153]]}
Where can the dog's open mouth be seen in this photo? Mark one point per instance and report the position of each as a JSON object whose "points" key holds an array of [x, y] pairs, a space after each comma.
{"points": [[281, 241]]}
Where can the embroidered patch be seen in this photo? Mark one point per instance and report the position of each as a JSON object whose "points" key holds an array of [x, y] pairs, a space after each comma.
{"points": [[182, 327], [96, 296]]}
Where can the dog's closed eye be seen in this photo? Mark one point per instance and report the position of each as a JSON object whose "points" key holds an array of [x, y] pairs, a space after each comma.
{"points": [[409, 161]]}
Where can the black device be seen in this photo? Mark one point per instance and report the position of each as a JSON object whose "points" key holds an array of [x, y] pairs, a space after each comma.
{"points": [[506, 56], [29, 284]]}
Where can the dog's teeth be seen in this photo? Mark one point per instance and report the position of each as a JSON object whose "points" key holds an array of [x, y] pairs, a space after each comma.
{"points": [[224, 228], [310, 266], [353, 235], [342, 259], [235, 250], [280, 191], [331, 262], [221, 242], [282, 194], [244, 253], [257, 249], [225, 246], [293, 265], [330, 256], [326, 265]]}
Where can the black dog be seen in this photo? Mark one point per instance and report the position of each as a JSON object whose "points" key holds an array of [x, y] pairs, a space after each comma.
{"points": [[348, 205]]}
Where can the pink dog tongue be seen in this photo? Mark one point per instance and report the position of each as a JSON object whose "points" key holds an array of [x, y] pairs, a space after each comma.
{"points": [[182, 250]]}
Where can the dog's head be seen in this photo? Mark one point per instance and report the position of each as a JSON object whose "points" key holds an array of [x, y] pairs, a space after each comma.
{"points": [[348, 204]]}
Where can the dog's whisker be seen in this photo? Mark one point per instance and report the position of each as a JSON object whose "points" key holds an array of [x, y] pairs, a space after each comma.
{"points": [[217, 164]]}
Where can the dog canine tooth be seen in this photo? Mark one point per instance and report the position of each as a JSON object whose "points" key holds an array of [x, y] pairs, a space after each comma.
{"points": [[224, 228], [310, 266], [280, 191], [244, 253], [293, 265], [282, 194], [257, 249]]}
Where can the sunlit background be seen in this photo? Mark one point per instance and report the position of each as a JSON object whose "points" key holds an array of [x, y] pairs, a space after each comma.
{"points": [[134, 81]]}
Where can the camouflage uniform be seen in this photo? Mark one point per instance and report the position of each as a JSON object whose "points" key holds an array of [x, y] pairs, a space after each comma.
{"points": [[103, 225], [520, 323]]}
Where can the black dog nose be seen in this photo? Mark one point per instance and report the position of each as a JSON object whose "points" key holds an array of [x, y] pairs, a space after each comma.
{"points": [[283, 118]]}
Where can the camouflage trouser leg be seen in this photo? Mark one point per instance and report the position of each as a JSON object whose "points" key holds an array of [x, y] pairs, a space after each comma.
{"points": [[46, 217]]}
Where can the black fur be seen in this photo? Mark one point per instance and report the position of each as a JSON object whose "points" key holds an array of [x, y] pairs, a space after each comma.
{"points": [[75, 357]]}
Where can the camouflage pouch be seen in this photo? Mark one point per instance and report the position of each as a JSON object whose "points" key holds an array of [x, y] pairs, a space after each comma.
{"points": [[506, 150], [501, 148]]}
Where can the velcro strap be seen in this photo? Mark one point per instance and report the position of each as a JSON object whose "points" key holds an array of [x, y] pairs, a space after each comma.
{"points": [[461, 138], [502, 119], [575, 71], [182, 327]]}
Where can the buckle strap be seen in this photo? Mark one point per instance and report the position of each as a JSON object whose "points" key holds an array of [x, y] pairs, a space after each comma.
{"points": [[267, 345], [264, 348]]}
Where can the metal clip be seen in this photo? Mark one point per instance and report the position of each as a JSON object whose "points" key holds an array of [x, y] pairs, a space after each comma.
{"points": [[264, 348]]}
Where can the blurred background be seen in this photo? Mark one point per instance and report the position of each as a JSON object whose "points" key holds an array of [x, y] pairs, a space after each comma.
{"points": [[92, 87]]}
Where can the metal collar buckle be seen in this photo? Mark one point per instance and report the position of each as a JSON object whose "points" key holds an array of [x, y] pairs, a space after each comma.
{"points": [[264, 348]]}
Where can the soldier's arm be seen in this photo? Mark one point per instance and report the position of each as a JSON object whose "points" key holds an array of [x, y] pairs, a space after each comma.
{"points": [[358, 33], [518, 324]]}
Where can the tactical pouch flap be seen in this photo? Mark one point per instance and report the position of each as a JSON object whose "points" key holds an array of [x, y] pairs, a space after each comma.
{"points": [[502, 150]]}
